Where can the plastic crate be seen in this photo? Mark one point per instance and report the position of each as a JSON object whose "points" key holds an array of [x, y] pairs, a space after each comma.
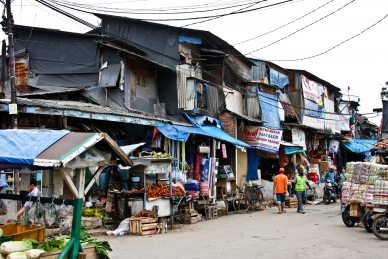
{"points": [[18, 233], [5, 239]]}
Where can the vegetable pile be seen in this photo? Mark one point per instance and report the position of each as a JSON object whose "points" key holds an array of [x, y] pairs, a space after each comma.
{"points": [[146, 213], [31, 249], [162, 190]]}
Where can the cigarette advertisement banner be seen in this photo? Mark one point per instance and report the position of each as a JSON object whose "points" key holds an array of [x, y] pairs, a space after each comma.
{"points": [[310, 89], [263, 138]]}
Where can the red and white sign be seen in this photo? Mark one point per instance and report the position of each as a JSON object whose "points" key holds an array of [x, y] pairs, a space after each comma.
{"points": [[310, 89], [264, 138]]}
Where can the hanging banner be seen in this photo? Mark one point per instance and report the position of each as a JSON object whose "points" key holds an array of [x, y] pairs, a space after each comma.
{"points": [[263, 138], [310, 89], [299, 138]]}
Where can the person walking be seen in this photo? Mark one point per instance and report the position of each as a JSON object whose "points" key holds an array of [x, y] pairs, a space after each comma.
{"points": [[34, 191], [280, 189], [301, 182]]}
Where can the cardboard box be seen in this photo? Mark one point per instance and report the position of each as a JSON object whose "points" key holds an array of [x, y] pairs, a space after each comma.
{"points": [[314, 168], [324, 165], [314, 161]]}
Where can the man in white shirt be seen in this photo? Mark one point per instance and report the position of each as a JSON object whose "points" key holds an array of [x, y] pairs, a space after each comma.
{"points": [[33, 192]]}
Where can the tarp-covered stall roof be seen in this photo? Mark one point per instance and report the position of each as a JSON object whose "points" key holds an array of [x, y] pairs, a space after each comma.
{"points": [[182, 133], [22, 146], [50, 148], [290, 148], [74, 144], [360, 145]]}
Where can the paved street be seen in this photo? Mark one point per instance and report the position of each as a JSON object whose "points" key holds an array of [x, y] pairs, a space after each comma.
{"points": [[319, 233]]}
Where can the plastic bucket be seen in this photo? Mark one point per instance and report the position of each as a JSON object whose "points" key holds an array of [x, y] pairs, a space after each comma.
{"points": [[104, 181]]}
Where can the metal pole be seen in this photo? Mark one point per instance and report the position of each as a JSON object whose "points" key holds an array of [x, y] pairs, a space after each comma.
{"points": [[3, 68], [11, 54]]}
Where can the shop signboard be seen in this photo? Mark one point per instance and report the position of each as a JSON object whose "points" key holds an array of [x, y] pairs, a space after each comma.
{"points": [[299, 138], [263, 138], [310, 89]]}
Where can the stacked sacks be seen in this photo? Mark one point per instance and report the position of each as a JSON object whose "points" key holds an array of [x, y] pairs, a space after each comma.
{"points": [[369, 194], [345, 196], [359, 185], [192, 188], [349, 171]]}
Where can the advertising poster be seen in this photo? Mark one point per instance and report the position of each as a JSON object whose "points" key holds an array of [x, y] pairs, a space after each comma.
{"points": [[263, 138]]}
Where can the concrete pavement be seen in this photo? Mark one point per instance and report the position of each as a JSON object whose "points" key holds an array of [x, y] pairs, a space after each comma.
{"points": [[319, 233]]}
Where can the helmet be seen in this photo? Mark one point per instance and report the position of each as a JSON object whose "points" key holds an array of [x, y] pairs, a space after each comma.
{"points": [[281, 170], [332, 167], [301, 166]]}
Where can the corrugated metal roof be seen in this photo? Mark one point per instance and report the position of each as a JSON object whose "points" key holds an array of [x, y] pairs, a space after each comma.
{"points": [[287, 106], [246, 117], [91, 108], [315, 78]]}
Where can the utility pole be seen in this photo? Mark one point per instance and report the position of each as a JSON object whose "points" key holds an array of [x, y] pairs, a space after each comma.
{"points": [[11, 54], [12, 107]]}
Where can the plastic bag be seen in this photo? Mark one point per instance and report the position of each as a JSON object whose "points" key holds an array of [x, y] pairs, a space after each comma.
{"points": [[63, 211], [123, 227], [39, 213], [31, 213], [65, 227], [51, 214], [24, 221], [3, 208]]}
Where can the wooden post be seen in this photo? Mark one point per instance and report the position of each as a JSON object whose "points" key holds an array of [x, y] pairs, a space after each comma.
{"points": [[77, 213]]}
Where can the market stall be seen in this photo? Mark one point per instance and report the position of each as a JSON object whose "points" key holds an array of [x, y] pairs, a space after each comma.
{"points": [[65, 152]]}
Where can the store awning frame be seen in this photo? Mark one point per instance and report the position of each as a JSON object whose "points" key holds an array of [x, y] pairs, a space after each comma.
{"points": [[182, 133]]}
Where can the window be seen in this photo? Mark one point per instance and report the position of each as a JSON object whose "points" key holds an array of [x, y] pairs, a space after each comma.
{"points": [[140, 80]]}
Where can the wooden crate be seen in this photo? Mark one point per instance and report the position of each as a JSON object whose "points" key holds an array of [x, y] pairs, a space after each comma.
{"points": [[191, 217], [355, 210], [143, 226], [89, 250], [291, 202], [18, 233], [211, 212]]}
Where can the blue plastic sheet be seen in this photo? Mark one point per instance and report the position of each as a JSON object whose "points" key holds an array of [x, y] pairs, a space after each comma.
{"points": [[278, 79], [312, 109], [253, 162], [182, 133], [22, 146], [270, 109], [360, 145], [190, 39]]}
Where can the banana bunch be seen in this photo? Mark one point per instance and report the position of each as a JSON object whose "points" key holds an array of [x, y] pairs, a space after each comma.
{"points": [[162, 155]]}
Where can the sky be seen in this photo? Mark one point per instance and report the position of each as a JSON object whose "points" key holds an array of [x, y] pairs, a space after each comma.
{"points": [[360, 63]]}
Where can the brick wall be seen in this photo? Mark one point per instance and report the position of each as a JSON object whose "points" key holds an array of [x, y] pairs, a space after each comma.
{"points": [[229, 122]]}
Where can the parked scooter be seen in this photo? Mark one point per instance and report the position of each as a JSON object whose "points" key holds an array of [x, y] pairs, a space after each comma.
{"points": [[368, 213], [329, 192]]}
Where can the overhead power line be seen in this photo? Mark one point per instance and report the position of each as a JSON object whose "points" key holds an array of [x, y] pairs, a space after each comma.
{"points": [[261, 35], [193, 18], [339, 44], [123, 11], [293, 33]]}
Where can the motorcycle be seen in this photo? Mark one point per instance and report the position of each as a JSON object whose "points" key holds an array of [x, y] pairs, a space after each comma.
{"points": [[346, 218], [329, 192], [367, 217]]}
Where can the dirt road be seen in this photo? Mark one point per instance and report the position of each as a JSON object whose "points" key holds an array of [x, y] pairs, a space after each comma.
{"points": [[319, 233]]}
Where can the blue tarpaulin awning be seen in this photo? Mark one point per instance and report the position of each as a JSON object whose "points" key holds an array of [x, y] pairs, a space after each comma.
{"points": [[360, 145], [22, 146], [182, 133]]}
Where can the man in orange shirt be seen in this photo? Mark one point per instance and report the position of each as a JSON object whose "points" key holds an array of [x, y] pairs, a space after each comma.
{"points": [[280, 189]]}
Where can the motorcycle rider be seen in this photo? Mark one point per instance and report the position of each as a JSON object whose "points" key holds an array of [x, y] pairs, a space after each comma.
{"points": [[330, 177]]}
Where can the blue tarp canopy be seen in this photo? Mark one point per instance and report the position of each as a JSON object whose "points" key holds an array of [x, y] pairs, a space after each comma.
{"points": [[270, 109], [182, 133], [22, 146], [360, 145], [294, 150]]}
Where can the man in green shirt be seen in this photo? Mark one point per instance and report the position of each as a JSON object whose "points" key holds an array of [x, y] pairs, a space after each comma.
{"points": [[301, 182]]}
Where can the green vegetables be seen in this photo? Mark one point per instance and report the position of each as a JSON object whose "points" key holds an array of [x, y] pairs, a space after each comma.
{"points": [[59, 243]]}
